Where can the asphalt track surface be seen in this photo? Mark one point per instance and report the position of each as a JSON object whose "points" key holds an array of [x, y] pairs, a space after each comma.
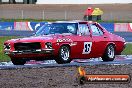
{"points": [[119, 60]]}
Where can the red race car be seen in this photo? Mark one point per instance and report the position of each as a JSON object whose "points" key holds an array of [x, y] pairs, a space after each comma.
{"points": [[64, 41]]}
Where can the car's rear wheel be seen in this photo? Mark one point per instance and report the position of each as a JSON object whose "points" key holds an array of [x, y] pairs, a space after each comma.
{"points": [[109, 53], [18, 61], [64, 55]]}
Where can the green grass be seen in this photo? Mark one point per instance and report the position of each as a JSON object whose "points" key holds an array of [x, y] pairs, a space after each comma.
{"points": [[3, 57], [127, 50]]}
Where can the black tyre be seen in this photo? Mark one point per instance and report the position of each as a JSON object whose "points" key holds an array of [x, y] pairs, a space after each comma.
{"points": [[64, 55], [18, 61], [109, 53]]}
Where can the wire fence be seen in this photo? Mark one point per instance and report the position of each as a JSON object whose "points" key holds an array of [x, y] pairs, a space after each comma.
{"points": [[66, 15]]}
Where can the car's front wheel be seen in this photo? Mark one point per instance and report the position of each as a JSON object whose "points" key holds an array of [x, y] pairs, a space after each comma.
{"points": [[109, 53], [64, 55], [18, 61]]}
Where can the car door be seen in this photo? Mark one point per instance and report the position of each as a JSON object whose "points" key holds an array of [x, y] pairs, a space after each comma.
{"points": [[84, 42], [99, 40]]}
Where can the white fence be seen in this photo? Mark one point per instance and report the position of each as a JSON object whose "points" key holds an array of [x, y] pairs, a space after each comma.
{"points": [[66, 15]]}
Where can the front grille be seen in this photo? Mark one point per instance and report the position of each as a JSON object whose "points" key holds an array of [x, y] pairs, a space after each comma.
{"points": [[27, 46]]}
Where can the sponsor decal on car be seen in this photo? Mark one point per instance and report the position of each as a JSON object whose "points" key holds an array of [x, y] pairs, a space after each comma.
{"points": [[64, 40], [73, 44]]}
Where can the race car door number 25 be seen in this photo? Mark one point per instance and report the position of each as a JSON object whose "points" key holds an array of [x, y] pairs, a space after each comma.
{"points": [[87, 47]]}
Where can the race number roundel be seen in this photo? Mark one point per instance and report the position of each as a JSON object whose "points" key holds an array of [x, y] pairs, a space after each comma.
{"points": [[87, 47]]}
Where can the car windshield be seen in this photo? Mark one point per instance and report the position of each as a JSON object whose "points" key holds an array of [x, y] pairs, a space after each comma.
{"points": [[58, 28]]}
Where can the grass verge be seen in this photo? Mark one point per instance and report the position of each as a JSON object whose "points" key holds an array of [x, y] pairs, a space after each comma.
{"points": [[127, 50], [3, 57]]}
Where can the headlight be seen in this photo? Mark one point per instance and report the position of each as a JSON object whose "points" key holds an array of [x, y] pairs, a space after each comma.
{"points": [[7, 46], [48, 45]]}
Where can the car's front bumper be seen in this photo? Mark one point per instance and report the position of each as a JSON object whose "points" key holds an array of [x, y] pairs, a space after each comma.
{"points": [[38, 51]]}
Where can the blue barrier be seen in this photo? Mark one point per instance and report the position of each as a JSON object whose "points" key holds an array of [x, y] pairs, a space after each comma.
{"points": [[108, 26], [28, 26], [33, 26], [36, 25], [21, 26], [6, 25]]}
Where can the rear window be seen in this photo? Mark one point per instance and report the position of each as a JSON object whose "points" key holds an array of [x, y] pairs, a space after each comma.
{"points": [[96, 31]]}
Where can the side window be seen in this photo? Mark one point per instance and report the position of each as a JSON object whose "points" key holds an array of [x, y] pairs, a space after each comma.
{"points": [[83, 30], [96, 31], [71, 29]]}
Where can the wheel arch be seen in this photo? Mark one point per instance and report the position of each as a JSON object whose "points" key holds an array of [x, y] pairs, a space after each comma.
{"points": [[66, 45], [112, 43]]}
